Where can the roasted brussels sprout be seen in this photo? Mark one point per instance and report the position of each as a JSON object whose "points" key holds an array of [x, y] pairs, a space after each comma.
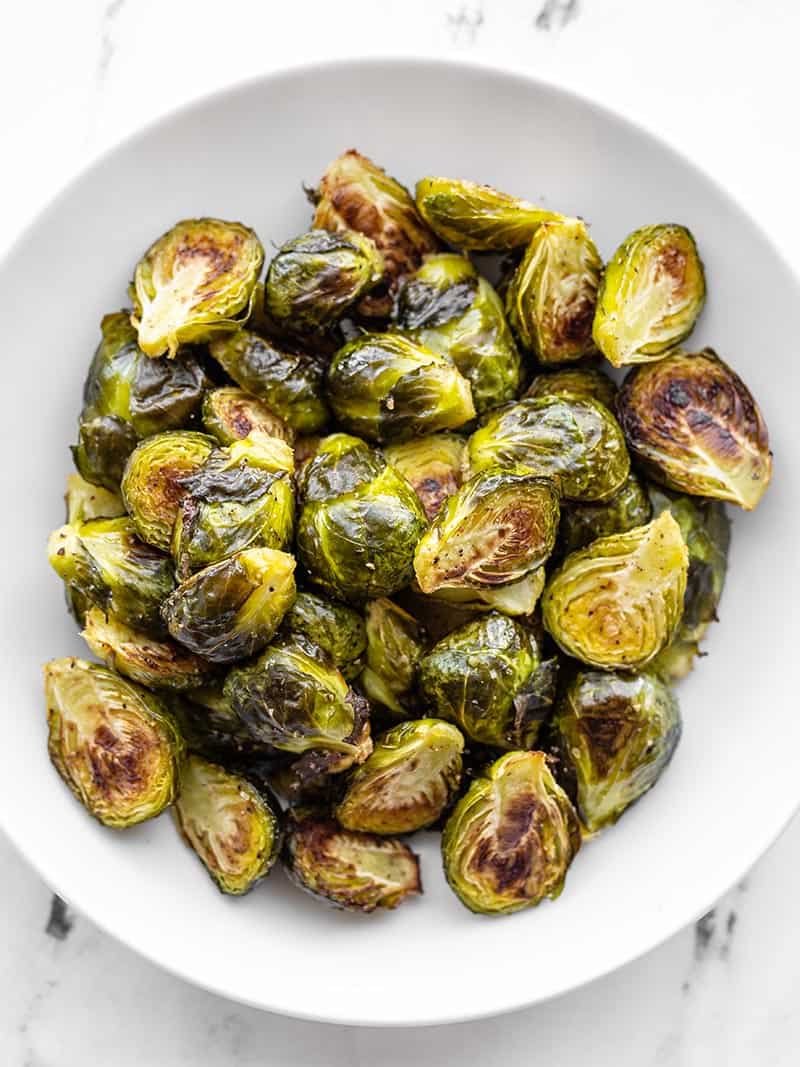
{"points": [[315, 278], [385, 387], [706, 530], [407, 782], [615, 734], [360, 522], [103, 562], [551, 298], [113, 743], [616, 603], [489, 677], [500, 526], [448, 308], [289, 383], [585, 382], [196, 281], [395, 644], [157, 664], [583, 523], [128, 396], [652, 291], [231, 414], [476, 217], [575, 441], [337, 629], [357, 871], [241, 497], [433, 465], [212, 729], [231, 609], [356, 195], [516, 598], [86, 501], [511, 838], [232, 826], [694, 426], [153, 484]]}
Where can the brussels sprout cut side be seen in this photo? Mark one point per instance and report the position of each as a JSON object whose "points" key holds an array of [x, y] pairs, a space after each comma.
{"points": [[231, 414], [433, 465]]}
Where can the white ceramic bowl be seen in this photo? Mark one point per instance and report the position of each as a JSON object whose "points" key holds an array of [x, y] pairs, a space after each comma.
{"points": [[734, 782]]}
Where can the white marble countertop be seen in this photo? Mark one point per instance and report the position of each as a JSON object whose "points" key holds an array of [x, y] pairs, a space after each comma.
{"points": [[720, 81]]}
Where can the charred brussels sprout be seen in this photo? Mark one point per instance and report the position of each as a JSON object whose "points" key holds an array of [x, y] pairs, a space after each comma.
{"points": [[552, 296], [652, 291], [157, 664], [212, 728], [395, 644], [587, 383], [489, 678], [194, 282], [289, 383], [476, 217], [578, 442], [511, 838], [86, 501], [694, 426], [103, 562], [618, 602], [516, 598], [153, 484], [583, 523], [231, 414], [231, 609], [616, 734], [337, 629], [356, 195], [433, 465], [407, 782], [360, 872], [388, 388], [128, 396], [360, 522], [232, 826], [113, 743], [447, 307], [316, 277]]}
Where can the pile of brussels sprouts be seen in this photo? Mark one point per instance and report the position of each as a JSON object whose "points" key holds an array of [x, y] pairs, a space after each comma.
{"points": [[371, 545]]}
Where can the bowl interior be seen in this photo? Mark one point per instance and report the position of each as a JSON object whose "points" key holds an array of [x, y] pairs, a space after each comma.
{"points": [[245, 154]]}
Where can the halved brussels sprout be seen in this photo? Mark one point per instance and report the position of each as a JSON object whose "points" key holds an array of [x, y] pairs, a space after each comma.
{"points": [[231, 414], [588, 383], [315, 278], [694, 426], [652, 291], [103, 562], [499, 526], [395, 645], [86, 501], [289, 383], [706, 531], [337, 629], [113, 743], [231, 609], [360, 523], [448, 308], [476, 217], [551, 299], [356, 195], [232, 826], [128, 396], [618, 602], [360, 872], [511, 838], [576, 441], [241, 497], [387, 388], [195, 282], [153, 484], [583, 523], [433, 465], [615, 734], [516, 598], [157, 664], [489, 677], [407, 782]]}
